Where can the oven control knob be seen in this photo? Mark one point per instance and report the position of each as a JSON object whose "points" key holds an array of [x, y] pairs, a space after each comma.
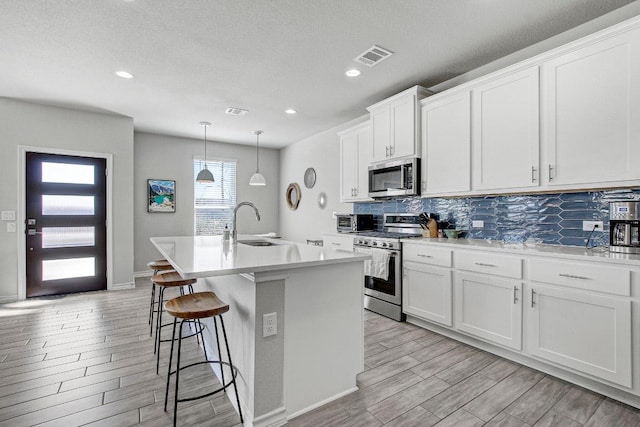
{"points": [[384, 245], [374, 244]]}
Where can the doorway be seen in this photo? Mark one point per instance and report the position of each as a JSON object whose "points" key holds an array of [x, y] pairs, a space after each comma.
{"points": [[65, 224]]}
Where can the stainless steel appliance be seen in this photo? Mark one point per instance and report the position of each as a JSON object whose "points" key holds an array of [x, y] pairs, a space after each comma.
{"points": [[385, 296], [397, 178], [624, 227], [351, 223]]}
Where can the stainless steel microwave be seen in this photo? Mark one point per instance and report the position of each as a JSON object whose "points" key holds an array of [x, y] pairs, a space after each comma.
{"points": [[396, 178]]}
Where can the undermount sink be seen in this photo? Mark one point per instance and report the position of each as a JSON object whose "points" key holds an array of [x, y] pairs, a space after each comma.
{"points": [[256, 242]]}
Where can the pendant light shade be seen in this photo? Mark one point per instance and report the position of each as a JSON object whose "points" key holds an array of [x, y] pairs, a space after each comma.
{"points": [[205, 176], [257, 178]]}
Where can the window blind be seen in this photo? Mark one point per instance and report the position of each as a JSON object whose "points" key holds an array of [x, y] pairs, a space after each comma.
{"points": [[214, 203]]}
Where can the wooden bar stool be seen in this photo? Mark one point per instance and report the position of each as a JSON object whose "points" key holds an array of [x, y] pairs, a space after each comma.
{"points": [[199, 305], [157, 266], [164, 280]]}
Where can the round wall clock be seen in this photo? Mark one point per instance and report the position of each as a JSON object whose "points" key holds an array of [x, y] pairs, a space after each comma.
{"points": [[309, 178]]}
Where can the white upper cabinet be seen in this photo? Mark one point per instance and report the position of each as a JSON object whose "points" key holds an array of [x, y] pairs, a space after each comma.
{"points": [[355, 156], [505, 123], [396, 126], [591, 111], [446, 144]]}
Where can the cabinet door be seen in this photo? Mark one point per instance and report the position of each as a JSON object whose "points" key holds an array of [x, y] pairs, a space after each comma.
{"points": [[403, 124], [506, 141], [591, 103], [584, 331], [426, 292], [446, 145], [364, 160], [490, 308], [381, 133], [348, 166]]}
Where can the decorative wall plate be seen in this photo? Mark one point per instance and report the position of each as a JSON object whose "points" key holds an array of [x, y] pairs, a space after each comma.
{"points": [[310, 177], [293, 196]]}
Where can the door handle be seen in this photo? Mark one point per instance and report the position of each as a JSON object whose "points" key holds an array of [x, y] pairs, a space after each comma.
{"points": [[533, 174], [533, 293], [386, 151], [550, 169], [515, 294]]}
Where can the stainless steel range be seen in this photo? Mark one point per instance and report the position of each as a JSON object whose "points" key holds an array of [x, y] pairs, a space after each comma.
{"points": [[384, 296]]}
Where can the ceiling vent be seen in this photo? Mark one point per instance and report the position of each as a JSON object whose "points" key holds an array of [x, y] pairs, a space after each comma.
{"points": [[374, 55], [236, 111]]}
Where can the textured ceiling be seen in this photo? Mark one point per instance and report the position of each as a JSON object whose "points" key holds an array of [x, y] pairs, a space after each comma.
{"points": [[194, 58]]}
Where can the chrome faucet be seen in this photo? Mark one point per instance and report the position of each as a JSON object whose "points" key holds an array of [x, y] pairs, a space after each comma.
{"points": [[234, 231]]}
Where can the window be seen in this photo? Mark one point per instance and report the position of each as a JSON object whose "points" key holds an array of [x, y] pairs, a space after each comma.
{"points": [[214, 203]]}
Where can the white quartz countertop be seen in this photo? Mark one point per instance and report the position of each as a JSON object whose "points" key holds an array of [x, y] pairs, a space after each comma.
{"points": [[569, 252], [207, 256]]}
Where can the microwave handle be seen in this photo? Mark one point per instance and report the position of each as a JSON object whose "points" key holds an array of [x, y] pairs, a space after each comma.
{"points": [[402, 177]]}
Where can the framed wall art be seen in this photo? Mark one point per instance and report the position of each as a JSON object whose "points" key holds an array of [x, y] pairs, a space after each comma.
{"points": [[161, 195]]}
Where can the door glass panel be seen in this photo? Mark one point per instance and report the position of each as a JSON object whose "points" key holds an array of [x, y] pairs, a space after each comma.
{"points": [[67, 237], [56, 269], [67, 205], [67, 173]]}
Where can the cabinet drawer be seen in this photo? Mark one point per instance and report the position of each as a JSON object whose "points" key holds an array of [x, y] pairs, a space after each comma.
{"points": [[426, 254], [341, 243], [593, 277], [489, 263]]}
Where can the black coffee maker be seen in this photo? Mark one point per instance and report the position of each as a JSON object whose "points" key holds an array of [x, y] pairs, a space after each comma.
{"points": [[624, 227]]}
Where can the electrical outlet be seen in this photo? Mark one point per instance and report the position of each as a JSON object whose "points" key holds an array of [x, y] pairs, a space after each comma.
{"points": [[8, 215], [588, 225], [477, 224], [334, 215], [269, 324], [11, 227]]}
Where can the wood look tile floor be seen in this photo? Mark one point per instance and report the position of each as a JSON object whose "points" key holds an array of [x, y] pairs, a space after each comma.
{"points": [[87, 359]]}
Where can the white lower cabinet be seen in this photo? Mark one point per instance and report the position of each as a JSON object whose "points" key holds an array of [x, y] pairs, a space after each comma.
{"points": [[581, 330], [426, 292], [489, 307], [338, 242]]}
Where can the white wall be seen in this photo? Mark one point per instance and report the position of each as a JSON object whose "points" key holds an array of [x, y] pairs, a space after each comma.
{"points": [[168, 157], [23, 123], [321, 152]]}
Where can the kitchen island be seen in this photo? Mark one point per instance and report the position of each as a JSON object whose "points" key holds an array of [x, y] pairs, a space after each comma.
{"points": [[317, 295]]}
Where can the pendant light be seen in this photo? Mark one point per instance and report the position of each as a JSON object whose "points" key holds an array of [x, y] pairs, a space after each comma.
{"points": [[205, 176], [257, 178]]}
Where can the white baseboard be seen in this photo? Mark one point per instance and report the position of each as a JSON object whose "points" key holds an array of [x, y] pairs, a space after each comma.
{"points": [[8, 298], [275, 418], [144, 273], [121, 286], [321, 403]]}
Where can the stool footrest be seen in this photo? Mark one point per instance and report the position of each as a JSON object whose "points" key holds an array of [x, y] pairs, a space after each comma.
{"points": [[234, 373]]}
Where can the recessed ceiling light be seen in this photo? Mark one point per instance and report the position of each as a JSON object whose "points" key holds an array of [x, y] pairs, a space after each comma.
{"points": [[352, 73], [124, 74], [290, 111], [236, 111]]}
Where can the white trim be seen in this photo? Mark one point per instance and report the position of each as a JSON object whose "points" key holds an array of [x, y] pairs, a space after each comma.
{"points": [[142, 274], [121, 286], [275, 418], [8, 298], [20, 211], [322, 402]]}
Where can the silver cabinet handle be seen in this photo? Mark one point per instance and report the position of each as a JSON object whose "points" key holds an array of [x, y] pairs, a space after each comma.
{"points": [[336, 244], [386, 150], [425, 256], [355, 190], [572, 276], [481, 264], [533, 293], [515, 294], [392, 149], [550, 169], [533, 174]]}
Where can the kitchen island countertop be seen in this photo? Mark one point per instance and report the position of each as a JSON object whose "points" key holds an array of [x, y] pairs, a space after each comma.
{"points": [[209, 256]]}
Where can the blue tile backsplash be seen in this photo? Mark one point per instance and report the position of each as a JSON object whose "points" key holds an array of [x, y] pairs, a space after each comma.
{"points": [[547, 218]]}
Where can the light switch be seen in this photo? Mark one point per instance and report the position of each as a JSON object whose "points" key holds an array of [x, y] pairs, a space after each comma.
{"points": [[11, 227], [8, 215]]}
